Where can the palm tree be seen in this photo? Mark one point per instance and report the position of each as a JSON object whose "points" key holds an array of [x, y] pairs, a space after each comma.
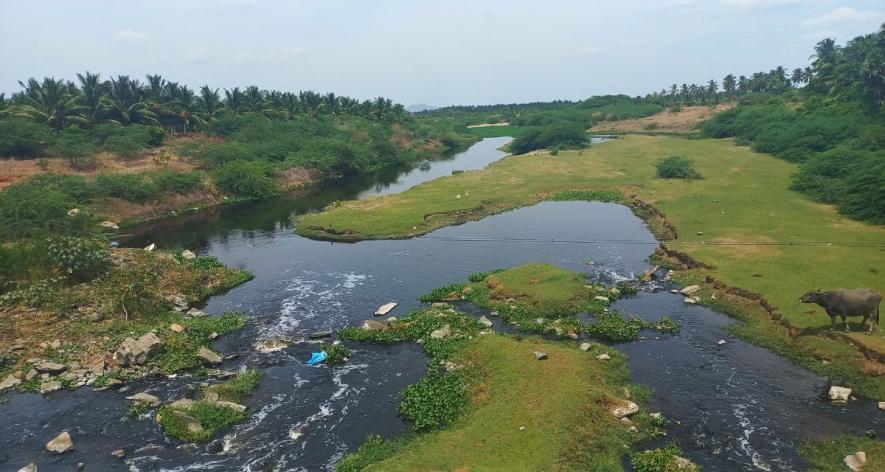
{"points": [[49, 101], [233, 100], [126, 96], [797, 77], [210, 102], [729, 84], [712, 90], [93, 97]]}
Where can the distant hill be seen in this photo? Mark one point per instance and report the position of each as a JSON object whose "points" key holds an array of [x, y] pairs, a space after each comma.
{"points": [[419, 107]]}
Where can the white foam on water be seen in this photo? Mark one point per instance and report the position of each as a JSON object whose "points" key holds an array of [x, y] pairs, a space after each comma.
{"points": [[312, 295], [740, 412]]}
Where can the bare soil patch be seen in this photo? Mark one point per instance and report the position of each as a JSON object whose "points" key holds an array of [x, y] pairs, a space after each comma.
{"points": [[667, 121]]}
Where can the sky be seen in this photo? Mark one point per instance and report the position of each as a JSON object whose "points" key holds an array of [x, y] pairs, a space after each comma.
{"points": [[422, 51]]}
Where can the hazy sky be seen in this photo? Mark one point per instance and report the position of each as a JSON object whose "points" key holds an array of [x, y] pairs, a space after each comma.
{"points": [[422, 51]]}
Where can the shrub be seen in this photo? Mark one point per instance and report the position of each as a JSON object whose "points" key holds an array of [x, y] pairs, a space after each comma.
{"points": [[434, 401], [23, 138], [677, 167], [177, 182], [375, 449], [79, 259], [246, 179], [128, 141], [239, 387], [562, 135], [615, 328], [336, 354], [29, 209], [74, 187], [77, 145], [659, 460], [129, 187]]}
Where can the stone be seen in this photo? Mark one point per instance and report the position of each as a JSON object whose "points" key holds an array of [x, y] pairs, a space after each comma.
{"points": [[150, 247], [485, 321], [451, 366], [176, 328], [97, 366], [145, 398], [690, 300], [494, 313], [135, 351], [600, 298], [657, 416], [684, 464], [188, 255], [633, 429], [10, 381], [48, 367], [209, 355], [215, 446], [50, 386], [625, 410], [61, 443], [585, 346], [540, 355], [442, 333], [29, 468], [439, 305], [839, 394], [231, 405], [385, 309], [182, 404], [604, 357], [177, 301], [721, 342], [119, 453], [193, 312], [690, 290], [109, 225], [856, 461], [372, 325], [210, 396], [320, 334], [673, 290], [55, 344], [882, 406], [271, 345], [213, 335], [28, 376]]}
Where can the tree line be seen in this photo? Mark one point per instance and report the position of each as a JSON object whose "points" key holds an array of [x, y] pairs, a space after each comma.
{"points": [[176, 107]]}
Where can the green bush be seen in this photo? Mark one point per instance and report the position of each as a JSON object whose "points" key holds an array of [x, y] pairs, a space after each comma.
{"points": [[615, 328], [177, 182], [375, 449], [76, 188], [129, 187], [246, 179], [128, 141], [23, 138], [336, 353], [29, 209], [677, 167], [659, 460], [79, 259], [434, 401], [561, 135]]}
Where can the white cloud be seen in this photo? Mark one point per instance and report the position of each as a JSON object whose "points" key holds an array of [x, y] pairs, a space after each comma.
{"points": [[843, 14], [131, 35]]}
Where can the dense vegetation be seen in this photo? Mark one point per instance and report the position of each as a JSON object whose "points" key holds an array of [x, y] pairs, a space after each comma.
{"points": [[834, 127], [677, 167]]}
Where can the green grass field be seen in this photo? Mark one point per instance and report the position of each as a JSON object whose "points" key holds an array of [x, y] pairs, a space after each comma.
{"points": [[743, 207]]}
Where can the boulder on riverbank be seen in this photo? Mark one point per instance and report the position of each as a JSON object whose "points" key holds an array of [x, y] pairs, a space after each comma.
{"points": [[209, 355], [625, 410], [144, 398], [856, 461], [135, 351], [839, 394]]}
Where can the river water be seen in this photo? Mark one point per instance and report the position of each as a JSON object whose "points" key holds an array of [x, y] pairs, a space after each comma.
{"points": [[739, 407]]}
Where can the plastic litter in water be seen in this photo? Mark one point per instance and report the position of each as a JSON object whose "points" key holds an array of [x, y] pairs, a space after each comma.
{"points": [[316, 358]]}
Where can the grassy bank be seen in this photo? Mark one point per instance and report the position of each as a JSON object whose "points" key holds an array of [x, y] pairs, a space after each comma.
{"points": [[741, 218], [489, 404]]}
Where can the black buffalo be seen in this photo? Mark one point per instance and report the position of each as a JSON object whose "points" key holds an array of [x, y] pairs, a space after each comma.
{"points": [[843, 302]]}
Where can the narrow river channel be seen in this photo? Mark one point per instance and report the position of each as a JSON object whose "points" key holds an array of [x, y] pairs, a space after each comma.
{"points": [[739, 407]]}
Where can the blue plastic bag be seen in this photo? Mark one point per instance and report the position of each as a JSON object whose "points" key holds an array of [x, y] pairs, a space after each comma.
{"points": [[316, 358]]}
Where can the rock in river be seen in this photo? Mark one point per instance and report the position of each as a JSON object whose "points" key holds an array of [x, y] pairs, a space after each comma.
{"points": [[62, 443], [145, 398], [372, 325], [209, 355], [839, 394], [134, 351], [485, 321], [29, 468]]}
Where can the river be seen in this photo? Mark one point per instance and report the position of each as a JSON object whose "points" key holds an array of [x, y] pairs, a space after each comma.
{"points": [[740, 407]]}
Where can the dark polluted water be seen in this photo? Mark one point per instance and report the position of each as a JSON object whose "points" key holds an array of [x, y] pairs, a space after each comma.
{"points": [[740, 407]]}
